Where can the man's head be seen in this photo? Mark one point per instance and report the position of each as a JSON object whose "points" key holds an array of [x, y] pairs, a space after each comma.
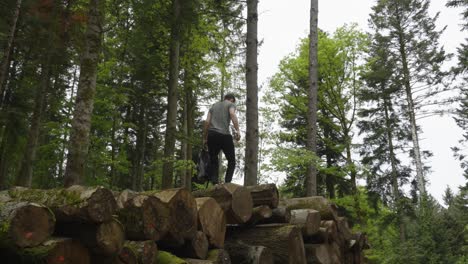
{"points": [[230, 97]]}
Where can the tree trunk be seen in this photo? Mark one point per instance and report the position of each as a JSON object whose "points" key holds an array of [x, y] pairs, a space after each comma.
{"points": [[105, 239], [52, 251], [393, 162], [411, 113], [6, 54], [25, 224], [171, 123], [183, 215], [311, 178], [81, 123], [212, 221], [138, 172], [235, 200], [24, 178], [74, 204], [251, 134], [307, 219], [317, 254], [242, 253], [144, 217], [197, 247], [328, 210], [285, 242], [265, 194]]}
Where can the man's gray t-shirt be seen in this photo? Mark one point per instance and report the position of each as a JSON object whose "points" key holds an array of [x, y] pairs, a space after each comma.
{"points": [[220, 117]]}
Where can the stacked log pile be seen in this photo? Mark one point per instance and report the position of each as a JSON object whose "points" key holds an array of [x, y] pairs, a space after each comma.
{"points": [[224, 224]]}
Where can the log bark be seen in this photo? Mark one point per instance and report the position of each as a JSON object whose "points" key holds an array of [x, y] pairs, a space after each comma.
{"points": [[145, 252], [212, 221], [183, 214], [73, 204], [259, 214], [54, 250], [343, 228], [285, 241], [197, 247], [264, 194], [328, 210], [242, 253], [105, 239], [332, 230], [278, 215], [219, 256], [144, 217], [25, 224], [307, 219], [317, 254], [321, 237], [235, 200]]}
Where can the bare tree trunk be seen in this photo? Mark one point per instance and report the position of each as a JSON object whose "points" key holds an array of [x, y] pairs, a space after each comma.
{"points": [[138, 172], [311, 178], [251, 134], [411, 113], [393, 162], [6, 55], [24, 178], [81, 123], [171, 123]]}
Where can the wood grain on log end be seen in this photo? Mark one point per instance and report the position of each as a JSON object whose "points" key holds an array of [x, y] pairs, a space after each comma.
{"points": [[28, 224]]}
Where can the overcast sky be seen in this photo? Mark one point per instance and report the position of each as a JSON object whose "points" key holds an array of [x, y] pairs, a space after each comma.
{"points": [[283, 22]]}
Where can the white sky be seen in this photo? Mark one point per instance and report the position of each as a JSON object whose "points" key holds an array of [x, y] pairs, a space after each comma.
{"points": [[283, 22]]}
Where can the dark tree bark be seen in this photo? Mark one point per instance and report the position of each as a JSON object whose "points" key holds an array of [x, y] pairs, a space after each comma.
{"points": [[171, 123], [311, 187], [81, 123], [6, 54], [251, 134], [24, 178]]}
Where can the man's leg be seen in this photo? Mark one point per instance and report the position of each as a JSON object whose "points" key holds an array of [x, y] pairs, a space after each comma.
{"points": [[230, 154], [214, 146]]}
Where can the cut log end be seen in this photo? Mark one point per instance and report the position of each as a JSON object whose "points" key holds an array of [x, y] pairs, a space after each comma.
{"points": [[110, 238], [241, 206], [102, 204], [31, 225], [212, 221]]}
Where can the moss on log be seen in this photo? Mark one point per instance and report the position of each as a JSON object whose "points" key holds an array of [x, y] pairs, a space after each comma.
{"points": [[165, 257], [219, 256], [211, 221], [25, 224], [73, 204], [53, 251], [235, 200], [264, 194]]}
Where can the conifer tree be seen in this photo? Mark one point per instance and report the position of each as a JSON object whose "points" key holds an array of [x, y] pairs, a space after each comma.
{"points": [[414, 46]]}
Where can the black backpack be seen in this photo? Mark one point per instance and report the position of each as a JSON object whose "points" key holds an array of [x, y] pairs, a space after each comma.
{"points": [[202, 166]]}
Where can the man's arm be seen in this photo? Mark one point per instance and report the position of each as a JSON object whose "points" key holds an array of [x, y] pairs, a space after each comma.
{"points": [[232, 113], [205, 128]]}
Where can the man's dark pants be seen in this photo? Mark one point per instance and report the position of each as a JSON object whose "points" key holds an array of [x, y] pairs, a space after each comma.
{"points": [[216, 143]]}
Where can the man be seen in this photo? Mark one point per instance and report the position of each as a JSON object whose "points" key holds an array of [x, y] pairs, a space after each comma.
{"points": [[217, 136]]}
